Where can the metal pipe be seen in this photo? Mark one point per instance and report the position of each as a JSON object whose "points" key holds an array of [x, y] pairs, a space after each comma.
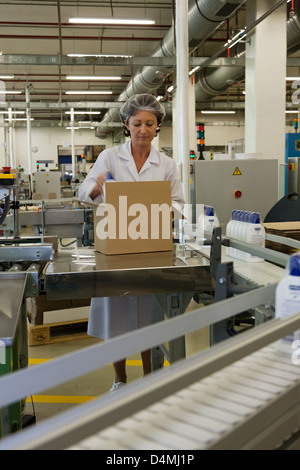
{"points": [[182, 69], [211, 83], [29, 155], [249, 28], [204, 17], [60, 49], [72, 143]]}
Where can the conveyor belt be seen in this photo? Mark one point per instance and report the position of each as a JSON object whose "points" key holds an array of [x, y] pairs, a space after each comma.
{"points": [[252, 404], [234, 395]]}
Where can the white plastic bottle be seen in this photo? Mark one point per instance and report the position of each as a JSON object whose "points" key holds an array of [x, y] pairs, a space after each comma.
{"points": [[239, 232], [109, 179], [235, 232], [210, 219], [234, 227], [255, 235], [207, 219], [287, 302], [243, 232], [229, 230]]}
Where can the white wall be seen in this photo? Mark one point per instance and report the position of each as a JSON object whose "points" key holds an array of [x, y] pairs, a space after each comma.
{"points": [[221, 129], [48, 139]]}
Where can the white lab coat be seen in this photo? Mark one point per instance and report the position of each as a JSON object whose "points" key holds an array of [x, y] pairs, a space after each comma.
{"points": [[112, 316]]}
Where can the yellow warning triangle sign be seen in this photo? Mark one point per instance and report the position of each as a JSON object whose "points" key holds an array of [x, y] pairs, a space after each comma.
{"points": [[237, 172]]}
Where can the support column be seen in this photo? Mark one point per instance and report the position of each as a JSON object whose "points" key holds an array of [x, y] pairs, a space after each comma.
{"points": [[3, 143], [10, 139], [265, 81]]}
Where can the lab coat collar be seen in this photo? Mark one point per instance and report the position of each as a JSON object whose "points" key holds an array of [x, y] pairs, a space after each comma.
{"points": [[125, 153]]}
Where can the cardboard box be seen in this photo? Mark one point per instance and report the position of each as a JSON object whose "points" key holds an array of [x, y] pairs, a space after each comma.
{"points": [[36, 307], [283, 229], [136, 218]]}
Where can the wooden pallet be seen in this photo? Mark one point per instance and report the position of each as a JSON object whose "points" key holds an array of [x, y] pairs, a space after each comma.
{"points": [[57, 332]]}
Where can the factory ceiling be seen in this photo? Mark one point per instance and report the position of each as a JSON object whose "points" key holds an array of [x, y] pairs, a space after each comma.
{"points": [[41, 49]]}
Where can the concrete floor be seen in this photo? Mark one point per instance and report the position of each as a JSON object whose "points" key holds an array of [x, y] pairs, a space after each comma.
{"points": [[61, 398]]}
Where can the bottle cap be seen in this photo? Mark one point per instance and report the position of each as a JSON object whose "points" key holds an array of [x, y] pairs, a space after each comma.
{"points": [[210, 211], [294, 265], [255, 218], [248, 217]]}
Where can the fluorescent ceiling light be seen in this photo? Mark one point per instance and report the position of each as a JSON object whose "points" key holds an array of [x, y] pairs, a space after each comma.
{"points": [[194, 70], [100, 55], [112, 20], [18, 119], [92, 77], [292, 78], [83, 112], [13, 112], [218, 112], [5, 92], [80, 127], [237, 38], [88, 92], [6, 75], [292, 112]]}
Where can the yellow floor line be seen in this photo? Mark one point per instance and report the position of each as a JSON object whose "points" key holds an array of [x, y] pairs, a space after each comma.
{"points": [[129, 362], [71, 399], [58, 399], [33, 362]]}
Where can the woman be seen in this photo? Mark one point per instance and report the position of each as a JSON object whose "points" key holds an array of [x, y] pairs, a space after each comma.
{"points": [[136, 160]]}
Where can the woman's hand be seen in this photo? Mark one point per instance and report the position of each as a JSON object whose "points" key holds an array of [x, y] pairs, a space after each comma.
{"points": [[98, 188]]}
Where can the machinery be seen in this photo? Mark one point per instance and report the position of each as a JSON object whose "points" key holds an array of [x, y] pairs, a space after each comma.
{"points": [[292, 154], [31, 268], [21, 263], [9, 198], [239, 394], [46, 184], [61, 218], [236, 184], [50, 220]]}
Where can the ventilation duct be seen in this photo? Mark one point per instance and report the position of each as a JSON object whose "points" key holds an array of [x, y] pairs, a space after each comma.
{"points": [[212, 82], [204, 17], [293, 29]]}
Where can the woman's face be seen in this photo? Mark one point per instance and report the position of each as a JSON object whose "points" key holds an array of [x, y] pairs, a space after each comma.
{"points": [[142, 127]]}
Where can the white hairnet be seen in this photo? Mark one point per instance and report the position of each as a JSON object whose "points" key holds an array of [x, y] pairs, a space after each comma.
{"points": [[142, 102]]}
